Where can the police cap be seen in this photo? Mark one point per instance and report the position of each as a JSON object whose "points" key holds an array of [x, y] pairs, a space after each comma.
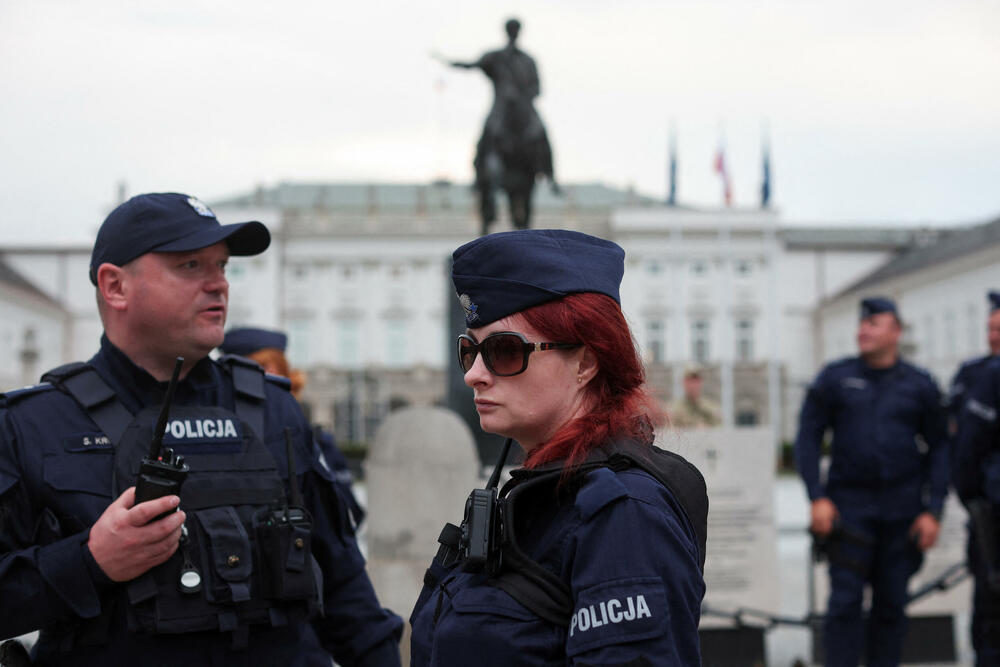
{"points": [[994, 297], [247, 340], [876, 305], [500, 274], [169, 222]]}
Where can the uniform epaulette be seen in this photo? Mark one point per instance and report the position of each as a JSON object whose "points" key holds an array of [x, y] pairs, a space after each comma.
{"points": [[10, 397], [601, 489], [279, 380]]}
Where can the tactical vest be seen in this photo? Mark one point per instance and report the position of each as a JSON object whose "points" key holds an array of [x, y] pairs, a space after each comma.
{"points": [[537, 588], [245, 556]]}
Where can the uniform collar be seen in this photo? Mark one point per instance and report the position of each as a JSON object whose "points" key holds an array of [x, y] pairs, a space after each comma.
{"points": [[138, 382]]}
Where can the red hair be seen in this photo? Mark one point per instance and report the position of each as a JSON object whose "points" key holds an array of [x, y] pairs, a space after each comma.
{"points": [[621, 406]]}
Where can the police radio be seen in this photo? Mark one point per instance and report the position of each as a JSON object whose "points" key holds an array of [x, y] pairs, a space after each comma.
{"points": [[162, 472], [284, 542], [482, 525]]}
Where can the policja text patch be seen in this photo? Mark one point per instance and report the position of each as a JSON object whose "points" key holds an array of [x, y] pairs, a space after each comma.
{"points": [[619, 611], [220, 434]]}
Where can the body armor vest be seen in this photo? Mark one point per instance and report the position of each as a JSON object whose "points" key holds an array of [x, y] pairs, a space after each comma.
{"points": [[245, 554]]}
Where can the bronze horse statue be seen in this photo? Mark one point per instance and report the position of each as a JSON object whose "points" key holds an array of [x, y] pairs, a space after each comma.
{"points": [[514, 148]]}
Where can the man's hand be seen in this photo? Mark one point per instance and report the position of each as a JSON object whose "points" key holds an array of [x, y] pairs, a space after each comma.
{"points": [[823, 514], [124, 542], [925, 530]]}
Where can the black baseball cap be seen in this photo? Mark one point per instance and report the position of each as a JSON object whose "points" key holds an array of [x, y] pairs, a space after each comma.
{"points": [[169, 222]]}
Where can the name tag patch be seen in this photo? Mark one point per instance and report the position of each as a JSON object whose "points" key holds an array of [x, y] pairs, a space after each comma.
{"points": [[854, 383], [220, 434], [85, 442], [619, 611]]}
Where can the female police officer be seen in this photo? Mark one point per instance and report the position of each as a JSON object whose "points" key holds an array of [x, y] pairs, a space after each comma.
{"points": [[593, 553]]}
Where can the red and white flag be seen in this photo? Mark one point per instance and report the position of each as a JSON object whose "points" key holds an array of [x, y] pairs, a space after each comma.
{"points": [[720, 169]]}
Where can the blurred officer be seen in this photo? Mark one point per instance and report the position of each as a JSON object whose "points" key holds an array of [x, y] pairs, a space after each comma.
{"points": [[603, 535], [692, 410], [970, 370], [235, 576], [886, 484], [975, 399], [267, 348]]}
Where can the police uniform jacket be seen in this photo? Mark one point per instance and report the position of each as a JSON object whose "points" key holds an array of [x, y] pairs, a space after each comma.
{"points": [[631, 562], [965, 379], [889, 457], [56, 480], [976, 461]]}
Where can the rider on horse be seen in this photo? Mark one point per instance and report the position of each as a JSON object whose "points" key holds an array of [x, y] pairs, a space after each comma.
{"points": [[514, 147]]}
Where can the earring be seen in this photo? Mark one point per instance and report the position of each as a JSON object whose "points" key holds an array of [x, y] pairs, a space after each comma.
{"points": [[579, 379]]}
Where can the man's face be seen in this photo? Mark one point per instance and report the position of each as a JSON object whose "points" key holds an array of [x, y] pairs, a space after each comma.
{"points": [[993, 331], [878, 334], [176, 301], [692, 386]]}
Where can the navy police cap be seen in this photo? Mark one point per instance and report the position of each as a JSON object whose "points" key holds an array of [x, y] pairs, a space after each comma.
{"points": [[169, 222], [876, 305], [994, 297], [501, 274], [246, 341]]}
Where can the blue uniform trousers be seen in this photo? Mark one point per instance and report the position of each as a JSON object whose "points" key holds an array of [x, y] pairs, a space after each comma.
{"points": [[985, 627], [887, 565]]}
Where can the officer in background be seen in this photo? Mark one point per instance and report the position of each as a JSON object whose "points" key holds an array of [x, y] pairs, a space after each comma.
{"points": [[970, 370], [975, 399], [256, 551], [885, 487], [267, 348], [693, 410]]}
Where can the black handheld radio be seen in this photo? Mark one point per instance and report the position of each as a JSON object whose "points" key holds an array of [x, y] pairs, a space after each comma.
{"points": [[162, 472], [482, 526]]}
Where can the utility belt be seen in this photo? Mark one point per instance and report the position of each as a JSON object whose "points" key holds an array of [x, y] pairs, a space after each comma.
{"points": [[245, 555]]}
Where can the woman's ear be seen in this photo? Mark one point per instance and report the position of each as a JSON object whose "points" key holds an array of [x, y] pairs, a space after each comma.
{"points": [[588, 365]]}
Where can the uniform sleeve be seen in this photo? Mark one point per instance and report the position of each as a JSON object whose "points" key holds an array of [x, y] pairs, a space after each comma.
{"points": [[977, 430], [635, 580], [934, 429], [815, 417], [45, 577]]}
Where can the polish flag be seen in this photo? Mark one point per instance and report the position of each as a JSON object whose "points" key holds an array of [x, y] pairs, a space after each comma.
{"points": [[720, 169]]}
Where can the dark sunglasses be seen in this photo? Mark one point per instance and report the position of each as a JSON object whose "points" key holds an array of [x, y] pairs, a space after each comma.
{"points": [[505, 353]]}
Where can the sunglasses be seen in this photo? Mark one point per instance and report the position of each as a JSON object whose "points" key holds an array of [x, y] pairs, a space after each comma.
{"points": [[505, 353]]}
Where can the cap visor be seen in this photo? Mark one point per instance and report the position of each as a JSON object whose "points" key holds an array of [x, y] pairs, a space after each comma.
{"points": [[243, 238]]}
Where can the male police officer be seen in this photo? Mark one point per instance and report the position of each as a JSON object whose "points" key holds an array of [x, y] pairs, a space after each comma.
{"points": [[969, 372], [886, 483], [975, 399], [259, 545]]}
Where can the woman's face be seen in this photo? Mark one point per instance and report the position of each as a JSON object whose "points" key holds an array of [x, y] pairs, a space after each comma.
{"points": [[531, 406]]}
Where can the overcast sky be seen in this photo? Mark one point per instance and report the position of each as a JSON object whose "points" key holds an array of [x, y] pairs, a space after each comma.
{"points": [[882, 112]]}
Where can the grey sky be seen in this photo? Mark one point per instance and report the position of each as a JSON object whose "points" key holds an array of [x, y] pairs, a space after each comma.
{"points": [[877, 111]]}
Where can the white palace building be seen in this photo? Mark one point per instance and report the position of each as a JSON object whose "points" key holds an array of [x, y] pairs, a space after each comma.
{"points": [[357, 275]]}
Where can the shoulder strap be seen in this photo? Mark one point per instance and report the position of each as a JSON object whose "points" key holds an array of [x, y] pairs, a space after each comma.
{"points": [[523, 578], [248, 386], [89, 389]]}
